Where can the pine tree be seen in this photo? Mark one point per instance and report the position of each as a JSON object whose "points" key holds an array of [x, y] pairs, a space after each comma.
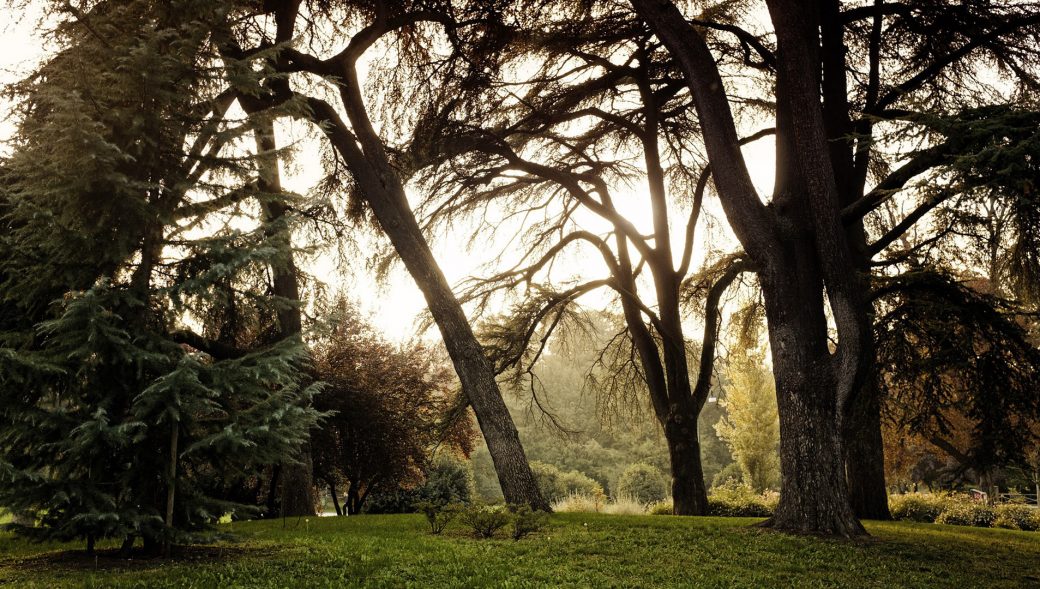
{"points": [[123, 205]]}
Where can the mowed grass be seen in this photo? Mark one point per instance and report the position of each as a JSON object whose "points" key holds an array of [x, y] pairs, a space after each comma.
{"points": [[575, 550]]}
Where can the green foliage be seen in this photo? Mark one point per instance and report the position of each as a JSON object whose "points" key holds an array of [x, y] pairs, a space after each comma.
{"points": [[955, 365], [735, 499], [102, 268], [556, 485], [917, 507], [644, 483], [526, 521], [438, 514], [661, 508], [966, 512], [751, 425], [449, 480], [1017, 517], [485, 520]]}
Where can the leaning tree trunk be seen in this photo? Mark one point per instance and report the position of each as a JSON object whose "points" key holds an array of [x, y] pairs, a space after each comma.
{"points": [[865, 456], [467, 355], [383, 190]]}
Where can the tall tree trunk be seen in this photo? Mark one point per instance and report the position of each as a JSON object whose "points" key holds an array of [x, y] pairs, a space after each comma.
{"points": [[865, 456], [384, 192], [171, 487], [296, 487], [814, 495]]}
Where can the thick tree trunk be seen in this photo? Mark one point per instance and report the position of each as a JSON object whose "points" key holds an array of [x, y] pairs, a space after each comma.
{"points": [[296, 488], [689, 495], [814, 495], [865, 456], [353, 501]]}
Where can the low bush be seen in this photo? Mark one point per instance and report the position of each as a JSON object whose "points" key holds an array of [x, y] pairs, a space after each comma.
{"points": [[438, 513], [449, 480], [485, 520], [557, 485], [526, 520], [625, 505], [917, 507], [1017, 517], [660, 508], [644, 483], [580, 503], [965, 512], [735, 499]]}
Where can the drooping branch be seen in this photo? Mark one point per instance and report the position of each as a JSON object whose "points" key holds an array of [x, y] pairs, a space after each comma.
{"points": [[712, 316]]}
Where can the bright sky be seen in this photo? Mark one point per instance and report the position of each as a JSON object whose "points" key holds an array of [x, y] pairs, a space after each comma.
{"points": [[394, 304]]}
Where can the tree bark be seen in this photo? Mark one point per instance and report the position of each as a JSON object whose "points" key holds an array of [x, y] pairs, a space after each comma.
{"points": [[814, 494], [335, 498], [689, 495], [171, 487], [296, 487], [865, 456], [384, 192]]}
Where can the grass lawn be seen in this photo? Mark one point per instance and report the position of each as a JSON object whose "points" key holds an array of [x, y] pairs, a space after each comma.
{"points": [[576, 550]]}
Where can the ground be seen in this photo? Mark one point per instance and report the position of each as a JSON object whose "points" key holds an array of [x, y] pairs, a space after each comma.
{"points": [[576, 550]]}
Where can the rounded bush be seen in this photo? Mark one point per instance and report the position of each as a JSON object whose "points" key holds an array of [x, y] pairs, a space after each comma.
{"points": [[1017, 517], [642, 482], [965, 512], [917, 507], [735, 499], [557, 485]]}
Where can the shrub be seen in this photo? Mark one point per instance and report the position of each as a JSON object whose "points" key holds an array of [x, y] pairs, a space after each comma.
{"points": [[526, 520], [580, 503], [485, 520], [643, 483], [917, 507], [449, 480], [965, 512], [556, 485], [735, 499], [625, 505], [1017, 517], [661, 508], [438, 514]]}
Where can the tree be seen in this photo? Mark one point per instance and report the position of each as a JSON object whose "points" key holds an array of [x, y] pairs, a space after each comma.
{"points": [[378, 174], [112, 423], [390, 408], [601, 112], [809, 244], [956, 371], [750, 426]]}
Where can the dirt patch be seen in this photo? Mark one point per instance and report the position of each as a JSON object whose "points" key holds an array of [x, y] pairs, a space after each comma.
{"points": [[110, 560]]}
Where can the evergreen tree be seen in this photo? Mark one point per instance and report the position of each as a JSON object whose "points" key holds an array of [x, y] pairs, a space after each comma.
{"points": [[122, 209]]}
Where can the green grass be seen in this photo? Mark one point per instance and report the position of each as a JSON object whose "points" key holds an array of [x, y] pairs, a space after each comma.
{"points": [[576, 550]]}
